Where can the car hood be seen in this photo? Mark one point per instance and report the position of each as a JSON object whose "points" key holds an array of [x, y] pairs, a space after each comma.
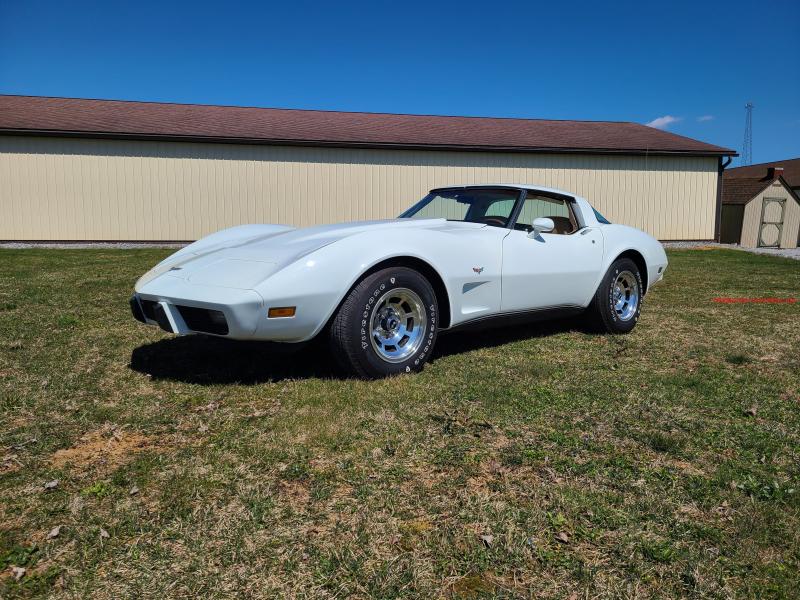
{"points": [[299, 241], [242, 257]]}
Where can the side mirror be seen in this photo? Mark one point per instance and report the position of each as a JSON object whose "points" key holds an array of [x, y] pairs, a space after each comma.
{"points": [[541, 225]]}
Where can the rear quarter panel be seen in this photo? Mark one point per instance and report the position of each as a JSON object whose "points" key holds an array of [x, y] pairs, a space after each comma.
{"points": [[618, 239]]}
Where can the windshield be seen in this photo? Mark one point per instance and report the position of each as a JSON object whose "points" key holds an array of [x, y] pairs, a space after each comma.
{"points": [[490, 207]]}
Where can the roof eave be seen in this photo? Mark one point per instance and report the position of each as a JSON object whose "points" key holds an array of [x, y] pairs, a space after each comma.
{"points": [[355, 144]]}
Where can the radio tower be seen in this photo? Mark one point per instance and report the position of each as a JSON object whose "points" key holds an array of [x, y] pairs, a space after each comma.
{"points": [[747, 149]]}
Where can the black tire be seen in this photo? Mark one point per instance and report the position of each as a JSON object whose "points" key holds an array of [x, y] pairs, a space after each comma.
{"points": [[351, 339], [602, 313]]}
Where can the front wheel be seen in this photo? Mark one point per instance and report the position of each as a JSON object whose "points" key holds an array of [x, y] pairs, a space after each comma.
{"points": [[617, 304], [386, 325]]}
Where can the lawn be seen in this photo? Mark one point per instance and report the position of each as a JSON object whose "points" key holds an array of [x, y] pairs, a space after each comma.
{"points": [[541, 461]]}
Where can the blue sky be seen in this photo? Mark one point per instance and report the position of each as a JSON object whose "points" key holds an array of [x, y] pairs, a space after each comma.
{"points": [[694, 62]]}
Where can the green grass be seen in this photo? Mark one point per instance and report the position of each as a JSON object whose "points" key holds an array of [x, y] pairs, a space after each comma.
{"points": [[541, 461]]}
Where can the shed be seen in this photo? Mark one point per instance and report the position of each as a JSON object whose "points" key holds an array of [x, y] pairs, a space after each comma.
{"points": [[760, 212]]}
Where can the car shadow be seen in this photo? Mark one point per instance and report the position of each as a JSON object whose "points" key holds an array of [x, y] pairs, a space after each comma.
{"points": [[474, 338], [206, 360]]}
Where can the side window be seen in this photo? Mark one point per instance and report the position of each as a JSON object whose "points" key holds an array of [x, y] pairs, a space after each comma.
{"points": [[601, 218], [552, 208]]}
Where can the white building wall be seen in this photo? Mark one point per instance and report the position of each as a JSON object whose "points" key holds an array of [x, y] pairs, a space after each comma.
{"points": [[84, 189]]}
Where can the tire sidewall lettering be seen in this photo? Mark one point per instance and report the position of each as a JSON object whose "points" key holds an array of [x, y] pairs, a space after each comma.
{"points": [[415, 361], [610, 297]]}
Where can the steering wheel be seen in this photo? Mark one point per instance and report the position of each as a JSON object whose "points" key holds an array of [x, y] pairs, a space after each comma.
{"points": [[498, 221]]}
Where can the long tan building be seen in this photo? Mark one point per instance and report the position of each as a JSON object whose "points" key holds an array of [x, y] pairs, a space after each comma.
{"points": [[108, 170]]}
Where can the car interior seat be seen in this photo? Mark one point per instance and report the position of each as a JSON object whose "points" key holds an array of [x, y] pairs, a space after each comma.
{"points": [[562, 225]]}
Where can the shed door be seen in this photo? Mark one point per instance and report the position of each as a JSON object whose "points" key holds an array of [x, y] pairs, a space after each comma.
{"points": [[772, 211]]}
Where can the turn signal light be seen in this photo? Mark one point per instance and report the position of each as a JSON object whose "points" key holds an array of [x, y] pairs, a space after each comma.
{"points": [[281, 311]]}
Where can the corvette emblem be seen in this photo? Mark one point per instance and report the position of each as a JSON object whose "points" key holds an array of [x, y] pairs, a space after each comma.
{"points": [[478, 270]]}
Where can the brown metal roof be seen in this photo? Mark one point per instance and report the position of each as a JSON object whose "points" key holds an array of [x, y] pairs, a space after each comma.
{"points": [[150, 120], [791, 171], [742, 190]]}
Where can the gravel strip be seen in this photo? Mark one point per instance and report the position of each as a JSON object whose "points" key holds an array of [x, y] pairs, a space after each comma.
{"points": [[785, 252]]}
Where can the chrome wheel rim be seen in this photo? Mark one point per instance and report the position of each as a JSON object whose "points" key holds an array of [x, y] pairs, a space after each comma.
{"points": [[625, 295], [397, 325]]}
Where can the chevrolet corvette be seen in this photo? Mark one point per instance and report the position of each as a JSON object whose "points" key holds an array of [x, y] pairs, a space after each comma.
{"points": [[381, 291]]}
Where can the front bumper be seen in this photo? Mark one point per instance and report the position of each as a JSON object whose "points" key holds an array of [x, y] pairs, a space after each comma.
{"points": [[184, 308], [179, 318], [181, 308]]}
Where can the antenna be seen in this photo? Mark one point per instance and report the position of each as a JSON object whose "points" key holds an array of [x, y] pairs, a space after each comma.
{"points": [[747, 148]]}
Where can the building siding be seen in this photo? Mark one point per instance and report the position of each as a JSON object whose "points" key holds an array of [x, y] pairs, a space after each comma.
{"points": [[85, 189], [751, 222]]}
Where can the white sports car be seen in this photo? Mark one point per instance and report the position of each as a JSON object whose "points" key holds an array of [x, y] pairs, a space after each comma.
{"points": [[382, 290]]}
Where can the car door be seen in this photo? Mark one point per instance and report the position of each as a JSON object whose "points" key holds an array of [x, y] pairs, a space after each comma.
{"points": [[554, 269]]}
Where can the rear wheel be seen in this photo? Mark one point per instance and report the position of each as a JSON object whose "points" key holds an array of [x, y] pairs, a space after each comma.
{"points": [[617, 304], [387, 324]]}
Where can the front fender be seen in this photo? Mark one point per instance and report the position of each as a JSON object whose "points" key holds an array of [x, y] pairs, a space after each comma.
{"points": [[318, 282]]}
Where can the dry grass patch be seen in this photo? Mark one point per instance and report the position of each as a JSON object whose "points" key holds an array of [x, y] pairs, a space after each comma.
{"points": [[104, 450]]}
